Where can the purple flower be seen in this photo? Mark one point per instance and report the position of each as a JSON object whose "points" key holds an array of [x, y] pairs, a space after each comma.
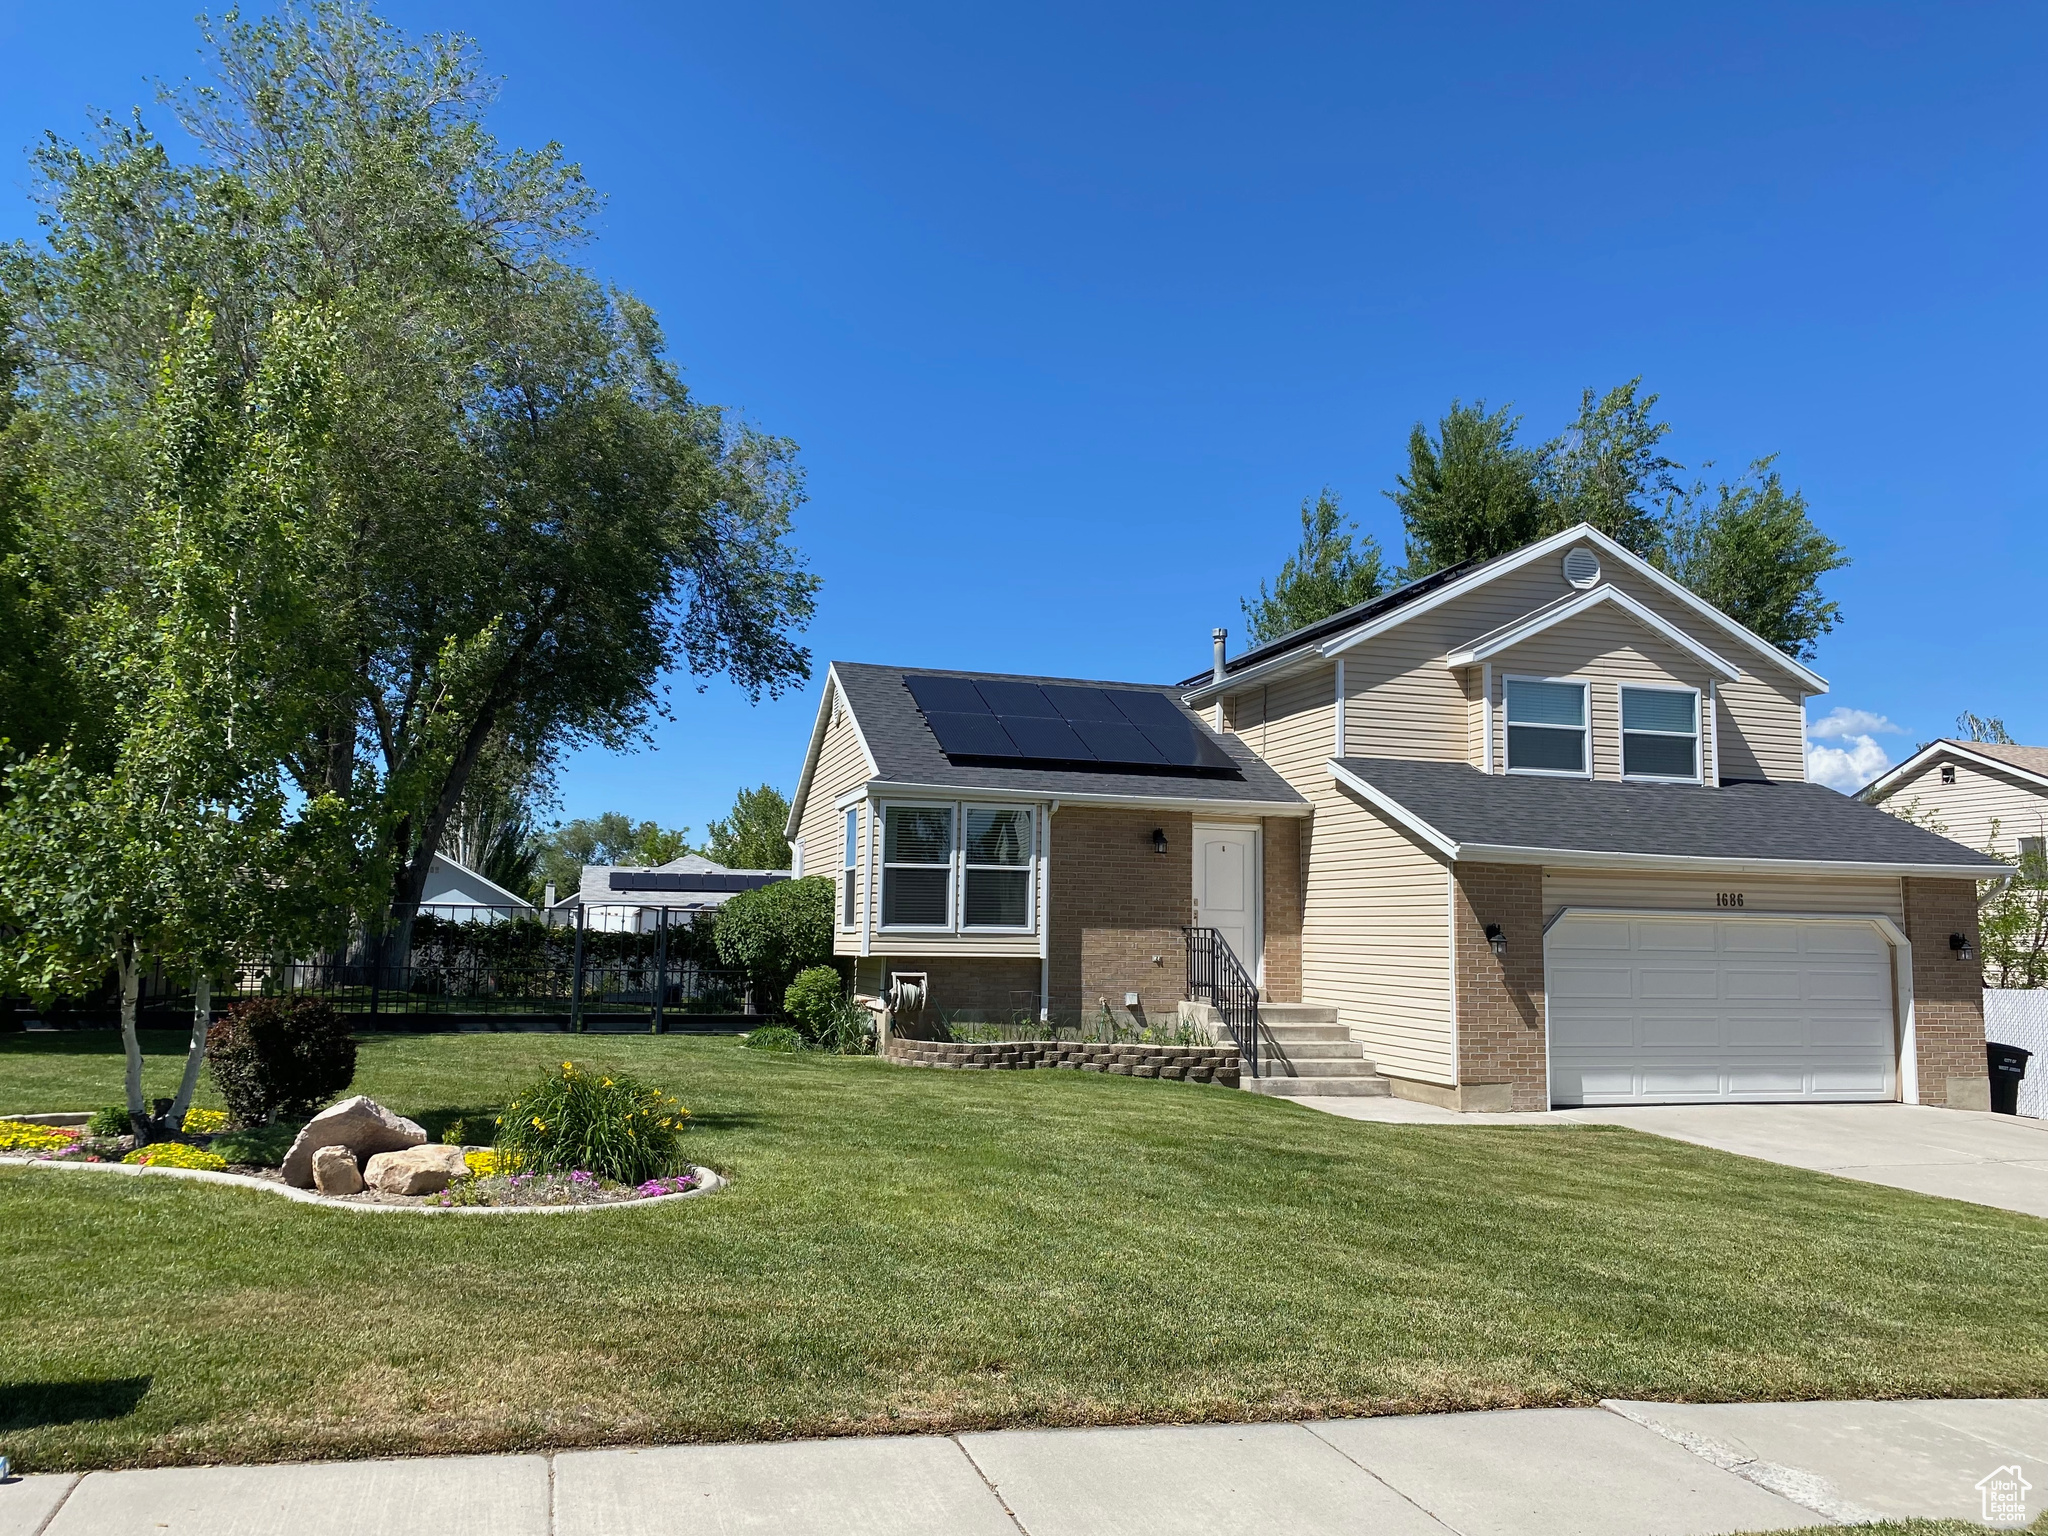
{"points": [[580, 1177]]}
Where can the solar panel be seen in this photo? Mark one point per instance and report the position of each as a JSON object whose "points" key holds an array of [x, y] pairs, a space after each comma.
{"points": [[1066, 723], [964, 735]]}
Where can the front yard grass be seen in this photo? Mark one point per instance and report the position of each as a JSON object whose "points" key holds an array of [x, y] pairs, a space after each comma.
{"points": [[924, 1250]]}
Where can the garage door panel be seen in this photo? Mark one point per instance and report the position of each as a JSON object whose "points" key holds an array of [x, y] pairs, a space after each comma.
{"points": [[1711, 1008], [1664, 982]]}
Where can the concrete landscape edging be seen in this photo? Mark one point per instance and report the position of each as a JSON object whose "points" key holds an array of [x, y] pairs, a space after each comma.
{"points": [[711, 1182]]}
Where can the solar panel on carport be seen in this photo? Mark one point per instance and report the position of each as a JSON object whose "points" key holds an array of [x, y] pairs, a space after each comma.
{"points": [[1062, 723]]}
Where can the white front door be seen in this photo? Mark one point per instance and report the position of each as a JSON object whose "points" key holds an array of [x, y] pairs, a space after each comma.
{"points": [[1676, 1010], [1227, 889]]}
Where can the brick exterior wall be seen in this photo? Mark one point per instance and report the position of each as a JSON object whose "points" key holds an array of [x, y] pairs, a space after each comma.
{"points": [[1283, 903], [1501, 1037], [995, 985], [1948, 994], [1116, 904]]}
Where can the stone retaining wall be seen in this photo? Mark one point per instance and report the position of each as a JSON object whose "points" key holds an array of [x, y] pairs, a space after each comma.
{"points": [[1182, 1063]]}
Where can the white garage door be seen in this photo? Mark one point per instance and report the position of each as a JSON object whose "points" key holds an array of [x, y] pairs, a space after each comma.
{"points": [[1660, 1010]]}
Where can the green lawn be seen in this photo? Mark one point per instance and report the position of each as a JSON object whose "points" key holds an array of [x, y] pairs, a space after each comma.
{"points": [[909, 1249]]}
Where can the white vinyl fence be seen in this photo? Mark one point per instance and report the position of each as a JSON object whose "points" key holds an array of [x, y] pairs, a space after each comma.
{"points": [[2021, 1018]]}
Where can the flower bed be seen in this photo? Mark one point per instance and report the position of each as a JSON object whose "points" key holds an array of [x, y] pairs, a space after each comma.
{"points": [[577, 1187], [19, 1136]]}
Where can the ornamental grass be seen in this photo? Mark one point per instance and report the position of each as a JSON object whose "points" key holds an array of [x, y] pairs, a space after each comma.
{"points": [[611, 1125]]}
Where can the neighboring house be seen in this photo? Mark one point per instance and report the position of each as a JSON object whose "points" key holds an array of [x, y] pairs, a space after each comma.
{"points": [[1982, 794], [621, 898], [458, 893], [1536, 828]]}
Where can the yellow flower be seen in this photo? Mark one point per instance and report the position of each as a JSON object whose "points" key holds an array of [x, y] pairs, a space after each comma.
{"points": [[539, 1124], [568, 1069], [607, 1082]]}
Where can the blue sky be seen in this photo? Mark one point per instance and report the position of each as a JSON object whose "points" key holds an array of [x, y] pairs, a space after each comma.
{"points": [[1069, 307]]}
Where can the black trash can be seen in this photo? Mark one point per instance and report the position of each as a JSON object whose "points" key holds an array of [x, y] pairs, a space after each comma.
{"points": [[2008, 1066]]}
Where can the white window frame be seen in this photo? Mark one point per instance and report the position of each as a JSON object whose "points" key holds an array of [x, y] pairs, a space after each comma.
{"points": [[849, 871], [883, 866], [1507, 725], [1697, 734], [1029, 866]]}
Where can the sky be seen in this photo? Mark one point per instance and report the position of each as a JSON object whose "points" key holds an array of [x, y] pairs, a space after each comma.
{"points": [[1069, 307]]}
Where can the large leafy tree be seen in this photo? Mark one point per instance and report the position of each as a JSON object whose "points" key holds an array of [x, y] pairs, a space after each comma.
{"points": [[517, 518], [750, 835], [612, 838], [1326, 574], [1471, 492], [1751, 550]]}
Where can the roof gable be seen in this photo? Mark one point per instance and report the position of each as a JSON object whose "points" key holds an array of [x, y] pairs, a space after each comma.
{"points": [[1566, 609], [1321, 642], [2027, 766]]}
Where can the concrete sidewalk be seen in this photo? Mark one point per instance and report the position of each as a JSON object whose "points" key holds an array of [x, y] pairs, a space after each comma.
{"points": [[1626, 1469], [1997, 1160]]}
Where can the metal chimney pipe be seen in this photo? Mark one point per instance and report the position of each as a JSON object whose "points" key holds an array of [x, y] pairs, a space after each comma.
{"points": [[1216, 637]]}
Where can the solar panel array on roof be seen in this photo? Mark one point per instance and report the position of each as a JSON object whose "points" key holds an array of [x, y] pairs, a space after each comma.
{"points": [[1067, 723]]}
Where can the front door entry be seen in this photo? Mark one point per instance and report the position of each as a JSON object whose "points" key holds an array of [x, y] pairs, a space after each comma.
{"points": [[1227, 889]]}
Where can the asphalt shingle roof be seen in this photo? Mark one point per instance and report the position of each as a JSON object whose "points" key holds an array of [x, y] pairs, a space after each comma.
{"points": [[906, 751], [1802, 823]]}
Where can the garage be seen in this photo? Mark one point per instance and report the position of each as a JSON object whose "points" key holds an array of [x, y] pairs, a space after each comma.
{"points": [[1681, 1008]]}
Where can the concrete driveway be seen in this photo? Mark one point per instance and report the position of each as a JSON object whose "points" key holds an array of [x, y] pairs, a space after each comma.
{"points": [[1996, 1160]]}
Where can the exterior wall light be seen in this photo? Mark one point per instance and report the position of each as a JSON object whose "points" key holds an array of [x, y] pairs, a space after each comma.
{"points": [[1960, 943], [1159, 840], [1497, 941]]}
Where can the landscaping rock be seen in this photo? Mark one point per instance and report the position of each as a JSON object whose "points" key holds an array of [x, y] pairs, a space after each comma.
{"points": [[423, 1170], [335, 1171], [361, 1124]]}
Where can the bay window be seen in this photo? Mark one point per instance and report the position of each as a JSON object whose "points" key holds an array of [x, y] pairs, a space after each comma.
{"points": [[1546, 726], [1660, 733], [917, 866], [996, 854]]}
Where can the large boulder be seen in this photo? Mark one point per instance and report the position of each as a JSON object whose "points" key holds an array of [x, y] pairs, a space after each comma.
{"points": [[335, 1172], [361, 1124], [422, 1170]]}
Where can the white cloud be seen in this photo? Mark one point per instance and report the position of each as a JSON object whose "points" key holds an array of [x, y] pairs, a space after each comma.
{"points": [[1841, 722], [1853, 757]]}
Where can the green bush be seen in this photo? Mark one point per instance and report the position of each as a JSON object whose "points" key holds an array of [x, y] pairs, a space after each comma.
{"points": [[774, 1037], [111, 1121], [604, 1123], [812, 999], [276, 1056], [778, 930], [264, 1146]]}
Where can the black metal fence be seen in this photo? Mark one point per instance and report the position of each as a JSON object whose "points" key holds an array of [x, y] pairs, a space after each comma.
{"points": [[604, 966]]}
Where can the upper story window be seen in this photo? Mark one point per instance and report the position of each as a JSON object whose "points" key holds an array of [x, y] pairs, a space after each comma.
{"points": [[1948, 773], [2033, 849], [1546, 726], [1660, 733], [917, 866], [996, 852], [849, 859]]}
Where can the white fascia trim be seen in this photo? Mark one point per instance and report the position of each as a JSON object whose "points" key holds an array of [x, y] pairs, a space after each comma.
{"points": [[1557, 541], [833, 689], [1233, 682], [1919, 762], [1490, 646], [1580, 858], [891, 789], [1393, 809]]}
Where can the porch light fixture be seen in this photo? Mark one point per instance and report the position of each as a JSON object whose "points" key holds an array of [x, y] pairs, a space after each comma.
{"points": [[1159, 840], [1960, 943], [1497, 941]]}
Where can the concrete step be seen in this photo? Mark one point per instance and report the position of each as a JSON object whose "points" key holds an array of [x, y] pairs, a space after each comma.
{"points": [[1320, 1050], [1303, 1031], [1297, 1013], [1318, 1087], [1313, 1066]]}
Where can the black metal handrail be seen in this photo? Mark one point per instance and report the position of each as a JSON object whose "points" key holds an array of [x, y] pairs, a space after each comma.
{"points": [[1217, 977]]}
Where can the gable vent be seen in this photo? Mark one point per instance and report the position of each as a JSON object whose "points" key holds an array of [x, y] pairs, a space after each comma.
{"points": [[1581, 566]]}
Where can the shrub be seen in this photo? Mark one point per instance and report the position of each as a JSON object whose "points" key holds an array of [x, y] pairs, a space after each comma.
{"points": [[203, 1122], [18, 1136], [812, 999], [774, 1037], [778, 930], [176, 1154], [262, 1146], [609, 1125], [112, 1121], [460, 1133], [849, 1030], [273, 1056]]}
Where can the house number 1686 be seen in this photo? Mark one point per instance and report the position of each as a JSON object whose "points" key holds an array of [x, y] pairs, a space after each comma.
{"points": [[1727, 898]]}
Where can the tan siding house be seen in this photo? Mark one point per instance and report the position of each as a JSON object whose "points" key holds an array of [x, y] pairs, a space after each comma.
{"points": [[1984, 795]]}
